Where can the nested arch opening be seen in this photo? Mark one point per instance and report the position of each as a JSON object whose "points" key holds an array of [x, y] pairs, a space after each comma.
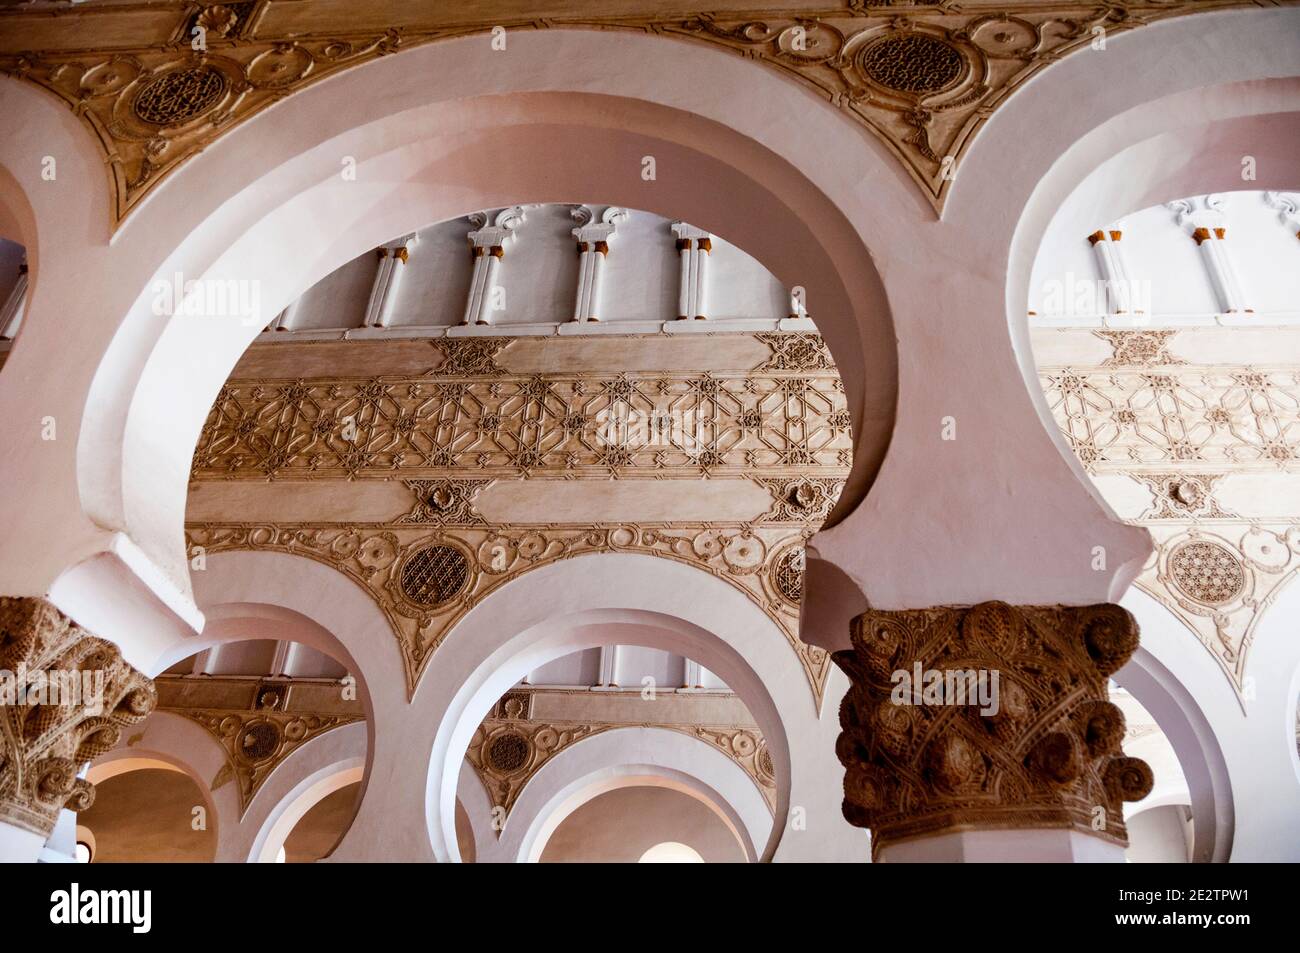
{"points": [[547, 147]]}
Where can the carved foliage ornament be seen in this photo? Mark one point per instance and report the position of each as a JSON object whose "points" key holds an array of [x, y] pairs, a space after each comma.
{"points": [[1047, 754], [256, 742], [65, 697], [923, 81], [417, 575]]}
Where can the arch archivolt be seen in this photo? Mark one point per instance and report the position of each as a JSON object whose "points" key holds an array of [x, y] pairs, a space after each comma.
{"points": [[374, 556], [632, 756], [537, 743], [922, 83]]}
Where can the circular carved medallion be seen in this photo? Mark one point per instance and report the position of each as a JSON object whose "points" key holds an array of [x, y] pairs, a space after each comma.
{"points": [[508, 752], [180, 95], [1207, 572], [259, 740], [434, 575], [912, 63], [787, 575]]}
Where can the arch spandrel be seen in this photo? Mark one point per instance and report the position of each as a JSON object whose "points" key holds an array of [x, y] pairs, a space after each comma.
{"points": [[921, 79]]}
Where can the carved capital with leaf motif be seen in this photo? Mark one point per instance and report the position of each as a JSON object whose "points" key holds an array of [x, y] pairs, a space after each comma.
{"points": [[990, 716], [65, 696]]}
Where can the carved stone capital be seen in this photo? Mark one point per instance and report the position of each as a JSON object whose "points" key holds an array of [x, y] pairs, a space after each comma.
{"points": [[1035, 745], [65, 696]]}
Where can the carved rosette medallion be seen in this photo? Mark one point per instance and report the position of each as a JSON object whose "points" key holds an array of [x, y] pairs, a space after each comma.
{"points": [[256, 742], [923, 79], [65, 697], [1046, 754]]}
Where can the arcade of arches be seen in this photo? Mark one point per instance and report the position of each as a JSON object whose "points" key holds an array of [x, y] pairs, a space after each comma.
{"points": [[614, 434]]}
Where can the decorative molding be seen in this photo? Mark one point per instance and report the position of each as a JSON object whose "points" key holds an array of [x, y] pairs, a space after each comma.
{"points": [[803, 351], [1120, 419], [1050, 756], [469, 357], [535, 425], [426, 579], [256, 742], [1145, 348], [1218, 576], [506, 754], [445, 502], [923, 78], [1181, 495], [65, 697], [1288, 209]]}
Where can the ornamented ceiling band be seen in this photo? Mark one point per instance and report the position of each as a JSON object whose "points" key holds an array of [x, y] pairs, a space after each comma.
{"points": [[922, 77], [426, 579]]}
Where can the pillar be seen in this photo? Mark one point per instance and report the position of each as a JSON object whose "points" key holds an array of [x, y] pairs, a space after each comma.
{"points": [[693, 247], [65, 697], [1207, 222], [593, 248], [984, 733], [388, 278], [487, 249], [1121, 295]]}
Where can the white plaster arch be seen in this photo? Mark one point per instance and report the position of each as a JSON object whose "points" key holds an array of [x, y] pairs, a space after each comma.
{"points": [[1238, 757], [169, 739], [473, 799], [580, 603], [628, 757], [740, 148], [1157, 675], [211, 218], [309, 774]]}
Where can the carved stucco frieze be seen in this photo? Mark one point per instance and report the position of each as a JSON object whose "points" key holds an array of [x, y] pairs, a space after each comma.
{"points": [[1180, 429], [567, 425], [65, 696], [922, 78], [1047, 755], [256, 742], [1120, 418], [1218, 576], [425, 579], [507, 753]]}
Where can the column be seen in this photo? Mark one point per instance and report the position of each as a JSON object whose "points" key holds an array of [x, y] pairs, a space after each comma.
{"points": [[487, 249], [285, 320], [693, 246], [65, 697], [593, 248], [388, 276], [608, 668], [1114, 271], [1207, 223], [984, 733]]}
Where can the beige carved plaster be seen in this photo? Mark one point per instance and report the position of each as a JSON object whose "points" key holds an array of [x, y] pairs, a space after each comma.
{"points": [[1188, 432], [507, 753], [1121, 418], [536, 425], [921, 77], [257, 741], [425, 579], [1048, 756], [470, 429], [66, 697]]}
